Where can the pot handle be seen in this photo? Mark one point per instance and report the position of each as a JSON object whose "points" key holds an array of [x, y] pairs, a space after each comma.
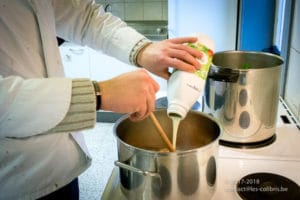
{"points": [[136, 170], [223, 74]]}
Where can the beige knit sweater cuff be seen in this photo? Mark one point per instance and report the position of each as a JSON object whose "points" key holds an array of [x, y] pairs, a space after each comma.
{"points": [[82, 111]]}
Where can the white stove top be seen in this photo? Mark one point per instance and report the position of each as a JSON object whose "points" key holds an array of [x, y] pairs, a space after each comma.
{"points": [[282, 157]]}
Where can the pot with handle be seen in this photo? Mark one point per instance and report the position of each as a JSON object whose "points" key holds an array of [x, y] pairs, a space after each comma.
{"points": [[242, 92], [149, 171]]}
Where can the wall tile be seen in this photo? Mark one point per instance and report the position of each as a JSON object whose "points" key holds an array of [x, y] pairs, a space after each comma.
{"points": [[165, 10], [115, 1], [153, 11], [137, 10], [152, 0], [133, 11], [100, 1], [118, 9]]}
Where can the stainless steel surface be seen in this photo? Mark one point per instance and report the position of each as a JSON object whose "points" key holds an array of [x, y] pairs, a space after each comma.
{"points": [[281, 157], [112, 190], [136, 170], [242, 92], [190, 172]]}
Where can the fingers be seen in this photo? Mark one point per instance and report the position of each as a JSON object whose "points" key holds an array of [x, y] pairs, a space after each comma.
{"points": [[137, 116], [182, 40], [189, 50], [155, 86], [184, 61], [151, 97], [186, 54], [165, 75], [179, 64], [149, 102], [159, 56], [145, 110], [180, 56]]}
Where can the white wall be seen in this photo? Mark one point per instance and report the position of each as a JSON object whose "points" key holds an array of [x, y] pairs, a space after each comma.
{"points": [[292, 89], [216, 18], [84, 62]]}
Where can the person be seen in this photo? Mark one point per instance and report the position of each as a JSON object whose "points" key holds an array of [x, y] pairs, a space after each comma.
{"points": [[42, 150]]}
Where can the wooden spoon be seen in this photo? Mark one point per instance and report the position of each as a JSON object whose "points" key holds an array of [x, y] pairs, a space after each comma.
{"points": [[162, 132]]}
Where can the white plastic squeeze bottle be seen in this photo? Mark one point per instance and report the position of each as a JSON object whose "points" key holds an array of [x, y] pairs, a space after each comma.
{"points": [[185, 88]]}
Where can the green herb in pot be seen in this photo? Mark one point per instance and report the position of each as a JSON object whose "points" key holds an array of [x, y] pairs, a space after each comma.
{"points": [[246, 66]]}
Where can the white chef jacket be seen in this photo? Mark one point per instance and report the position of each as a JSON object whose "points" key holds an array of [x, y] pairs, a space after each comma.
{"points": [[35, 98]]}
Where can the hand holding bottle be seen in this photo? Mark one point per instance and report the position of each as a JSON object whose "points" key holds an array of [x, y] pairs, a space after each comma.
{"points": [[159, 56], [185, 88]]}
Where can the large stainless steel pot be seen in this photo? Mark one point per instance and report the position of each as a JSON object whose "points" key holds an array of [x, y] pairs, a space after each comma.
{"points": [[147, 171], [242, 92]]}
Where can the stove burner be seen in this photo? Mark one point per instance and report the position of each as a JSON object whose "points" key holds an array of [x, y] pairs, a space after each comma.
{"points": [[249, 145], [267, 186]]}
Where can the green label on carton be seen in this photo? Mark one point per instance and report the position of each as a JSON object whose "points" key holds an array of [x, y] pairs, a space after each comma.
{"points": [[205, 61]]}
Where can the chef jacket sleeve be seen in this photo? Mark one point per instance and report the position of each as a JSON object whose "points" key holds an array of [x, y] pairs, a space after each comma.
{"points": [[27, 109], [86, 23]]}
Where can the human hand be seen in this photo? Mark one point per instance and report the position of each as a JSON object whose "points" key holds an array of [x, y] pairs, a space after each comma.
{"points": [[132, 92], [159, 56]]}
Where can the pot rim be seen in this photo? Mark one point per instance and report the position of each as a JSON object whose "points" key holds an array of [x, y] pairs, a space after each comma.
{"points": [[177, 152], [249, 52]]}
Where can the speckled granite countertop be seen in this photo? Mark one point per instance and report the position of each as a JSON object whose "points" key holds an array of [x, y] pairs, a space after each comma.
{"points": [[102, 145]]}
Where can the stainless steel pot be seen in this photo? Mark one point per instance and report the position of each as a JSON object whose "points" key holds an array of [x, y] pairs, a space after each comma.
{"points": [[242, 92], [147, 171]]}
